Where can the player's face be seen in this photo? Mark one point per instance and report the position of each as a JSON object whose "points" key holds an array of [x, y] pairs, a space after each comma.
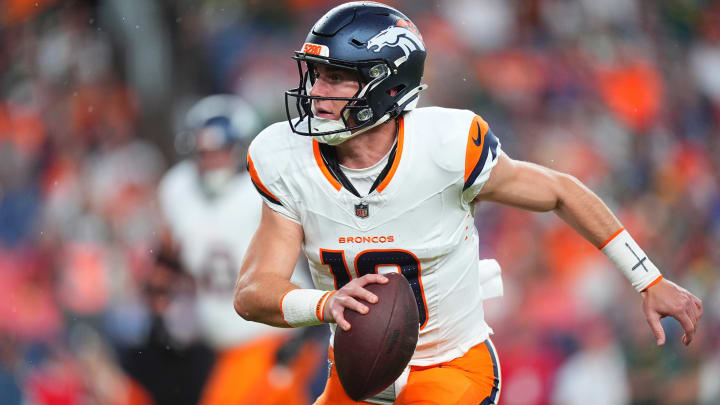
{"points": [[332, 82], [215, 159]]}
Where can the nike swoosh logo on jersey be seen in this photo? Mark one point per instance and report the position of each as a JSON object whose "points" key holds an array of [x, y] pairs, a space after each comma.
{"points": [[477, 141]]}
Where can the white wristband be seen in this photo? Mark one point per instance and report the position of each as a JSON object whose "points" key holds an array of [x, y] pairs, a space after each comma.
{"points": [[304, 306], [627, 256]]}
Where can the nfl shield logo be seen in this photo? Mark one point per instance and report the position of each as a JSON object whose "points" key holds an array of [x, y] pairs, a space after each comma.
{"points": [[361, 210]]}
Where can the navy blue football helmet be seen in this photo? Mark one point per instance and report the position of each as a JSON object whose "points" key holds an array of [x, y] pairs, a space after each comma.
{"points": [[385, 50], [216, 122]]}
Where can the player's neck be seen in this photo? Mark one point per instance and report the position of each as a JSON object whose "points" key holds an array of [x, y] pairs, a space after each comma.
{"points": [[367, 148]]}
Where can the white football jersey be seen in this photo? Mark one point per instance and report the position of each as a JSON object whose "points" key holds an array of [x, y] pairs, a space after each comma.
{"points": [[213, 235], [418, 220]]}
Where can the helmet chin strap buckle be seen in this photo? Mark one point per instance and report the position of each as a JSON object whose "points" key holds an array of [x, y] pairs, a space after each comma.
{"points": [[364, 114]]}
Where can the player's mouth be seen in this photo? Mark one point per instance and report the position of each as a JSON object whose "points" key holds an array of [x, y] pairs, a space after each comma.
{"points": [[321, 112]]}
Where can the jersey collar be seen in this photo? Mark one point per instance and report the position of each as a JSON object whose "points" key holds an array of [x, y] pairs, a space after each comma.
{"points": [[326, 161]]}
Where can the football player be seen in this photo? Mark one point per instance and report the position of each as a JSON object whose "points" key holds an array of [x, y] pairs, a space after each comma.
{"points": [[353, 178], [211, 211]]}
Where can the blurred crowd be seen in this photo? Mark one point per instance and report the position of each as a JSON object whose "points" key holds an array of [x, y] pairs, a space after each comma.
{"points": [[623, 94]]}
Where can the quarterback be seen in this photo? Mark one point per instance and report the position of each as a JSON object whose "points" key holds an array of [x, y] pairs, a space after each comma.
{"points": [[353, 179]]}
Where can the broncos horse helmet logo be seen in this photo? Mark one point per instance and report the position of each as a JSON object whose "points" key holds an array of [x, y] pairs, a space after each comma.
{"points": [[396, 36]]}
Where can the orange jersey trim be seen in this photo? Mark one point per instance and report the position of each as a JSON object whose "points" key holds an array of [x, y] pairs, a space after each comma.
{"points": [[256, 180], [611, 238], [398, 155], [475, 145], [321, 164]]}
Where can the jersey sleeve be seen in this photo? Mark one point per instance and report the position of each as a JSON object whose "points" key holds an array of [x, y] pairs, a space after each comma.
{"points": [[481, 155], [266, 178]]}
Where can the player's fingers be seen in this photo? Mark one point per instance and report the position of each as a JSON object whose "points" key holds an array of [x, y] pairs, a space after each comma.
{"points": [[372, 278], [351, 303], [698, 305], [362, 293], [692, 311], [688, 326], [656, 326], [356, 287], [337, 314]]}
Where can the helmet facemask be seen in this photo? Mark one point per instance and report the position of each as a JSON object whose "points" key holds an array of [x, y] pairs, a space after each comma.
{"points": [[358, 114]]}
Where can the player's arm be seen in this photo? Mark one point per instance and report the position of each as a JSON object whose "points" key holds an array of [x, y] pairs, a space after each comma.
{"points": [[264, 293], [267, 266], [537, 188]]}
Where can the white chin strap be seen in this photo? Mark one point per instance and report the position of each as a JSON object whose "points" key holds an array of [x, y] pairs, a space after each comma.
{"points": [[325, 125]]}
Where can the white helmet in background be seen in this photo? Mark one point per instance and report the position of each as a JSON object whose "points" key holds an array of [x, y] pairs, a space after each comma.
{"points": [[216, 133]]}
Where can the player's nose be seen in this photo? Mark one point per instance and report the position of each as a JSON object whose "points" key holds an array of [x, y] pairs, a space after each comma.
{"points": [[319, 89]]}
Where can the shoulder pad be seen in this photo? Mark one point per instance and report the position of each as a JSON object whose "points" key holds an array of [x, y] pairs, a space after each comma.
{"points": [[444, 131]]}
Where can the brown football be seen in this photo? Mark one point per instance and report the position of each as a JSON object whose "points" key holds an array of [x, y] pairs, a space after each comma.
{"points": [[373, 353]]}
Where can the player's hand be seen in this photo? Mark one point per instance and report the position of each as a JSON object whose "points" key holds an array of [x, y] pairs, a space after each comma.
{"points": [[346, 298], [669, 299]]}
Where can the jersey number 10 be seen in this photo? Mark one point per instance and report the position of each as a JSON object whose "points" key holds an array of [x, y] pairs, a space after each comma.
{"points": [[368, 261]]}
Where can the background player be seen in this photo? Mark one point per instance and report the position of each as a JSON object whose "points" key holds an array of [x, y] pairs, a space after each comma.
{"points": [[211, 211], [363, 67]]}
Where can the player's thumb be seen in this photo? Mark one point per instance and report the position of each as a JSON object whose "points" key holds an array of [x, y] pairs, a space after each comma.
{"points": [[656, 326]]}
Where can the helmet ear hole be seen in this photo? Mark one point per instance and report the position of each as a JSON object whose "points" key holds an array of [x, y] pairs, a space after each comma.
{"points": [[395, 90]]}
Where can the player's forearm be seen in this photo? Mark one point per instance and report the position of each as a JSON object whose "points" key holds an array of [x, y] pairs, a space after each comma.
{"points": [[259, 299], [584, 211], [267, 267]]}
